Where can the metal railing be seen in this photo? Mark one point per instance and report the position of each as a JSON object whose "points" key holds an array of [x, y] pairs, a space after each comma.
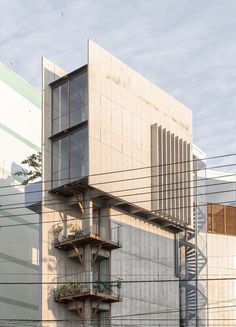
{"points": [[70, 230], [70, 285]]}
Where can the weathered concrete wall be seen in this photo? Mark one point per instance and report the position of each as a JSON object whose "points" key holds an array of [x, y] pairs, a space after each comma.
{"points": [[147, 253], [122, 107]]}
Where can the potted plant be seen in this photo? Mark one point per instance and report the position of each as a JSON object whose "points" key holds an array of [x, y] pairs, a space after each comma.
{"points": [[57, 230], [104, 287], [61, 291], [72, 231], [77, 288], [107, 286]]}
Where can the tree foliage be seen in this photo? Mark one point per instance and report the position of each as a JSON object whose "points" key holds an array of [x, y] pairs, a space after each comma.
{"points": [[33, 168]]}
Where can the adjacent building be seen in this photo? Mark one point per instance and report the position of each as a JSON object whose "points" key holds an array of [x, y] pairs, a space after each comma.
{"points": [[118, 243], [221, 241], [19, 244]]}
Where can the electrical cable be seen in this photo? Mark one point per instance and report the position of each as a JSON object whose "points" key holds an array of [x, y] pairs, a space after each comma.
{"points": [[121, 180], [135, 202], [141, 168], [126, 190]]}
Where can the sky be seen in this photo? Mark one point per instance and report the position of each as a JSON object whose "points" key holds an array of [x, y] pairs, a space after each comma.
{"points": [[186, 47]]}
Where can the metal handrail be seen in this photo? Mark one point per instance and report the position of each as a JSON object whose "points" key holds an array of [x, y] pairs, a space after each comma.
{"points": [[76, 284], [66, 230]]}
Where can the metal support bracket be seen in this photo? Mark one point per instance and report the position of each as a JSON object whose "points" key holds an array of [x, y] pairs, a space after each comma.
{"points": [[78, 309], [95, 310], [81, 257], [80, 203], [96, 254]]}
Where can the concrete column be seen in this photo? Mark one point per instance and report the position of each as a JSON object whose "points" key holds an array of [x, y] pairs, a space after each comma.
{"points": [[88, 263], [88, 279], [87, 313], [87, 222], [87, 226]]}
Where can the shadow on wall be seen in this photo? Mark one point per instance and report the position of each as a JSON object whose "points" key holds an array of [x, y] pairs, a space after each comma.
{"points": [[11, 179], [14, 168]]}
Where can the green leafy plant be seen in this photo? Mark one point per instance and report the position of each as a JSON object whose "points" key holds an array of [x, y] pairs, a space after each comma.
{"points": [[107, 287], [56, 230], [67, 289], [33, 170], [72, 229], [57, 233], [118, 284], [61, 290], [103, 287]]}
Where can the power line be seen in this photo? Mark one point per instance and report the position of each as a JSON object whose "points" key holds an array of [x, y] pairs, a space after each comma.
{"points": [[135, 202], [131, 189], [146, 167], [126, 281], [119, 180]]}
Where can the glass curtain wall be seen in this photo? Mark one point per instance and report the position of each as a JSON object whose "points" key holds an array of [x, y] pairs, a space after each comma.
{"points": [[70, 103], [70, 148], [70, 157]]}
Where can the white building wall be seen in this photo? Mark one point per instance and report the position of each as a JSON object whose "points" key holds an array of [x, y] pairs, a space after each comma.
{"points": [[222, 287], [20, 130], [221, 254]]}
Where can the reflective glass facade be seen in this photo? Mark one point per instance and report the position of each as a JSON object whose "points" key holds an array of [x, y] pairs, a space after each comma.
{"points": [[70, 149], [70, 157], [70, 103], [221, 219]]}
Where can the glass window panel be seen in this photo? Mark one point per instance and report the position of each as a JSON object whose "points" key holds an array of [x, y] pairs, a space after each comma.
{"points": [[104, 319], [79, 154], [78, 99], [96, 221], [60, 162], [209, 214], [230, 220], [60, 108], [218, 224], [104, 270]]}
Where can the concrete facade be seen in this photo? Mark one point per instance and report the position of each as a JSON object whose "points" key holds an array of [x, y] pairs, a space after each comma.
{"points": [[123, 109], [19, 258], [121, 233]]}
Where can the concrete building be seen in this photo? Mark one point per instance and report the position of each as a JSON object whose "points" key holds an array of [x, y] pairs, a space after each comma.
{"points": [[117, 200], [20, 137], [216, 192], [221, 245]]}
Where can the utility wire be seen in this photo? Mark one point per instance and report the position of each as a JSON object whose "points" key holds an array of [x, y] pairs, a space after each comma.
{"points": [[142, 168], [120, 180], [131, 189], [135, 202], [126, 281]]}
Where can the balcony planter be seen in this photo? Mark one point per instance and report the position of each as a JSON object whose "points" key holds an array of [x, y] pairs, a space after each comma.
{"points": [[103, 287], [79, 233], [61, 291], [68, 289], [57, 230], [71, 232]]}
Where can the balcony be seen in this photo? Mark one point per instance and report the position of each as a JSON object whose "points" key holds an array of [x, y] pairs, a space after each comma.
{"points": [[75, 288], [67, 236]]}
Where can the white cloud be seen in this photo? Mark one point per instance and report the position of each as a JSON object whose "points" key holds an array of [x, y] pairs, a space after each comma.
{"points": [[187, 47]]}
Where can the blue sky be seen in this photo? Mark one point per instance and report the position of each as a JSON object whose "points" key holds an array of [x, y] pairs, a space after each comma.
{"points": [[186, 47]]}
